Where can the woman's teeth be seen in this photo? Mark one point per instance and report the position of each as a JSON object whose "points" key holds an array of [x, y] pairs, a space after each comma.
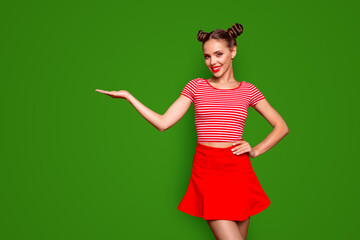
{"points": [[216, 69]]}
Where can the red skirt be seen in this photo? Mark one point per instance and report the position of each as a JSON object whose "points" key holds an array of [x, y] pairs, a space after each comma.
{"points": [[223, 186]]}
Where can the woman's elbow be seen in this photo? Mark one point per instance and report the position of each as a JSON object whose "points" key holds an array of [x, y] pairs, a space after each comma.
{"points": [[285, 129], [162, 128], [286, 132], [282, 128]]}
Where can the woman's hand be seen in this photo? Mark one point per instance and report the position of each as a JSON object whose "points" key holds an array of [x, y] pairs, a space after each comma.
{"points": [[115, 94], [243, 147]]}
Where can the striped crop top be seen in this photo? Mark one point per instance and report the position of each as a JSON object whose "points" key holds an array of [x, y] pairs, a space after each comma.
{"points": [[220, 114]]}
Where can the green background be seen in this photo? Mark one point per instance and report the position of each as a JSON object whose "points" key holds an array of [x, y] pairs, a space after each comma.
{"points": [[77, 164]]}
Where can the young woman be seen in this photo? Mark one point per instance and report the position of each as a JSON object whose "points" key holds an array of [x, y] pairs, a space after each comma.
{"points": [[223, 188]]}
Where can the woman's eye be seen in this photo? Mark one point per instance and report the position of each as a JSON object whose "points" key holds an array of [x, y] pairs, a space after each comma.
{"points": [[219, 54]]}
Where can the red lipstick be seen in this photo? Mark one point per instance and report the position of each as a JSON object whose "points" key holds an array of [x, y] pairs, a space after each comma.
{"points": [[216, 68]]}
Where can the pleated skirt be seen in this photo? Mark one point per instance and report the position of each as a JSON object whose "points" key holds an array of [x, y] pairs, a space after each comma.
{"points": [[223, 186]]}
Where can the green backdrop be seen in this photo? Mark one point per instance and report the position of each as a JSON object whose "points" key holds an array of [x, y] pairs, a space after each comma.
{"points": [[77, 164]]}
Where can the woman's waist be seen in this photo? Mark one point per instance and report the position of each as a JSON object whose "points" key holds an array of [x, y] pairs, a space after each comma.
{"points": [[217, 144]]}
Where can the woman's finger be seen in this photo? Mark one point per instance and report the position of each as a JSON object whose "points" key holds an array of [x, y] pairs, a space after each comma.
{"points": [[98, 90], [237, 150], [241, 150], [111, 93], [102, 91], [238, 142]]}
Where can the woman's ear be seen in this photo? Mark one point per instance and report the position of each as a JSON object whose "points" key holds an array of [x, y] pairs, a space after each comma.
{"points": [[233, 52]]}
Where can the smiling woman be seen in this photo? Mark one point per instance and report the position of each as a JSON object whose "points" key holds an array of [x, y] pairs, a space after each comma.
{"points": [[223, 188]]}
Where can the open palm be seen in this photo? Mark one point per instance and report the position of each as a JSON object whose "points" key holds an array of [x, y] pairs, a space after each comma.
{"points": [[115, 94]]}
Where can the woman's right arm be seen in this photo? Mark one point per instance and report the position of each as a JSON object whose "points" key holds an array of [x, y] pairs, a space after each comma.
{"points": [[162, 122]]}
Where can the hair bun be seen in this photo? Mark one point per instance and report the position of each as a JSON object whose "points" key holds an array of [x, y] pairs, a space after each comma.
{"points": [[235, 30], [201, 35]]}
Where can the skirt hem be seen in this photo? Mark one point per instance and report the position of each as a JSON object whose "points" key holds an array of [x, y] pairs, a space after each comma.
{"points": [[228, 218]]}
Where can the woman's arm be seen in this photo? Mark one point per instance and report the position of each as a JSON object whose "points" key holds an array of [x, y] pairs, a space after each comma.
{"points": [[162, 122], [276, 121]]}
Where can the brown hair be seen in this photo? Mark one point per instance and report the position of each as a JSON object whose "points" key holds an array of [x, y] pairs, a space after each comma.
{"points": [[229, 36]]}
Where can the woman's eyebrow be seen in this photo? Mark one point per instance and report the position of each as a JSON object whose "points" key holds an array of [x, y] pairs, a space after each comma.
{"points": [[214, 52]]}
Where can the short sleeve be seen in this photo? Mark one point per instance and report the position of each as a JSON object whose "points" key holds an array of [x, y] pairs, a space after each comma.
{"points": [[255, 95], [189, 90]]}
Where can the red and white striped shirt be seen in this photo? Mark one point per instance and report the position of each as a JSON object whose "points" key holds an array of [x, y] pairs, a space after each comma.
{"points": [[220, 114]]}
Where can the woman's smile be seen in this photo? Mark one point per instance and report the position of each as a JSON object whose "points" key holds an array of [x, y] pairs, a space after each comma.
{"points": [[216, 68]]}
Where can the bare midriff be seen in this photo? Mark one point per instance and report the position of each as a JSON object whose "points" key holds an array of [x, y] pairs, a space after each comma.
{"points": [[217, 144]]}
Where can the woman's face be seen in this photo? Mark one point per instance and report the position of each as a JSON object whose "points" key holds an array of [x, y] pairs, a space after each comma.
{"points": [[218, 57]]}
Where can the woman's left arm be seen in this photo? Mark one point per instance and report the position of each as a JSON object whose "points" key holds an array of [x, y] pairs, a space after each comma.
{"points": [[276, 121]]}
